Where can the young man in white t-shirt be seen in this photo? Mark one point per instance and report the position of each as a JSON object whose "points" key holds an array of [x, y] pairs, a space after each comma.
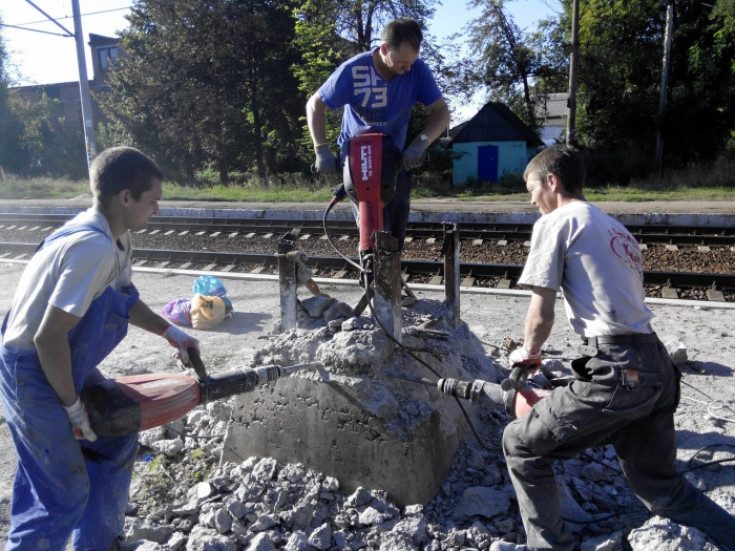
{"points": [[625, 389], [70, 310]]}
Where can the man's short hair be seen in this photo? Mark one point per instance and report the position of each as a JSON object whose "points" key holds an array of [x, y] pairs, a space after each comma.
{"points": [[119, 168], [564, 161], [402, 30]]}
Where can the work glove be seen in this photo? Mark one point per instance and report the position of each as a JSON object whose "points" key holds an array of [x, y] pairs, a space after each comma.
{"points": [[413, 156], [326, 162], [182, 342], [521, 356], [77, 414]]}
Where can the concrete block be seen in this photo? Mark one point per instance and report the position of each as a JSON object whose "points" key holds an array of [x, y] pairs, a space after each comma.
{"points": [[353, 420]]}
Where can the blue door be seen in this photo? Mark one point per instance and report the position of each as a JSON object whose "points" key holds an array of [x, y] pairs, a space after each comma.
{"points": [[487, 163]]}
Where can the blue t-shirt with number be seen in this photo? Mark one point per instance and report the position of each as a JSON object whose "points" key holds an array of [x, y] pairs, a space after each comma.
{"points": [[374, 105]]}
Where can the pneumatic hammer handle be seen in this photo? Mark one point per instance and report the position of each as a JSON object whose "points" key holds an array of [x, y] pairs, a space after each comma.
{"points": [[197, 364]]}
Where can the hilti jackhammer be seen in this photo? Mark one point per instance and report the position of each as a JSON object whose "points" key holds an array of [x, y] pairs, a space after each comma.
{"points": [[372, 163], [371, 166], [140, 402]]}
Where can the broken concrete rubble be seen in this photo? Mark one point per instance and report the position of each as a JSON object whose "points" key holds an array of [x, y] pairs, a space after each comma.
{"points": [[159, 501], [352, 420]]}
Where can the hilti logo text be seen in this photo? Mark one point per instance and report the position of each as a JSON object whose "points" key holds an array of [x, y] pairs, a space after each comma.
{"points": [[366, 161]]}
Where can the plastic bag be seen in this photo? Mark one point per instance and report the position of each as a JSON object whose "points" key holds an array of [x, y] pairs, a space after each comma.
{"points": [[208, 285], [178, 311], [209, 311]]}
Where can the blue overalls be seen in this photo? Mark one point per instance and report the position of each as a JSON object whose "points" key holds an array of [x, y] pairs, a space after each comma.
{"points": [[63, 485]]}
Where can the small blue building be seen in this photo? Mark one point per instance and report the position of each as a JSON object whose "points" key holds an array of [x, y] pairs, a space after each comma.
{"points": [[492, 143]]}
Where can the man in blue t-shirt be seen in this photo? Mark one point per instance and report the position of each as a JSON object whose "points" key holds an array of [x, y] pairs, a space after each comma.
{"points": [[378, 90]]}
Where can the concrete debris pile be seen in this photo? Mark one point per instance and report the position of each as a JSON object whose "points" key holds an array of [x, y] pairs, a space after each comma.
{"points": [[350, 459], [262, 505], [355, 420]]}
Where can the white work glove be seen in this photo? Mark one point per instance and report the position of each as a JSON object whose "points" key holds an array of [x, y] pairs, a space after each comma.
{"points": [[413, 156], [523, 357], [326, 162], [77, 414], [182, 342]]}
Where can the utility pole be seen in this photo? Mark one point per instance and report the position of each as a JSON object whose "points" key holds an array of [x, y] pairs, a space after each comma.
{"points": [[668, 36], [573, 56], [90, 138]]}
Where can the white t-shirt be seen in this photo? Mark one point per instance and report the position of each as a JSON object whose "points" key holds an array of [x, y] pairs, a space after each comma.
{"points": [[68, 273], [598, 266]]}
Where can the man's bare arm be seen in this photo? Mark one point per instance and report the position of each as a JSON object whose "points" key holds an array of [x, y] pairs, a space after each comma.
{"points": [[539, 318]]}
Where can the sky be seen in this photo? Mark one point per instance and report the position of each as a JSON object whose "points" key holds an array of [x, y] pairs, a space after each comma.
{"points": [[47, 57]]}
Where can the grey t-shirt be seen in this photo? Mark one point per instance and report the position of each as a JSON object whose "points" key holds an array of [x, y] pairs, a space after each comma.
{"points": [[596, 263]]}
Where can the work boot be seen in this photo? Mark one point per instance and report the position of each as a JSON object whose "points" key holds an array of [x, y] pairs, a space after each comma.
{"points": [[508, 546]]}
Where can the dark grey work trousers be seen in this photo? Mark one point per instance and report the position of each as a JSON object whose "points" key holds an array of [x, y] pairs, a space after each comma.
{"points": [[624, 395]]}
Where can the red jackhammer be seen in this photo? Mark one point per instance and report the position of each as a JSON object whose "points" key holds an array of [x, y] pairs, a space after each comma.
{"points": [[514, 395], [139, 402], [516, 402], [371, 166]]}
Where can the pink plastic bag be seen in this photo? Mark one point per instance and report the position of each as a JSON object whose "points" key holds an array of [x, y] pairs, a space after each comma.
{"points": [[178, 311]]}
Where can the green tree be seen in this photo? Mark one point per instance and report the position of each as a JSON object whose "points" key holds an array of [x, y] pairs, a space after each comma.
{"points": [[512, 65], [619, 72], [621, 47], [5, 118], [37, 140], [208, 83], [329, 32], [700, 116]]}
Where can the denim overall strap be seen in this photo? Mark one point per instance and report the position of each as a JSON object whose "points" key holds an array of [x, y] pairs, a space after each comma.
{"points": [[104, 324]]}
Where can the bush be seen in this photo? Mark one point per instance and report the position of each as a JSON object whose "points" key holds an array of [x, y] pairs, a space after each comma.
{"points": [[608, 167]]}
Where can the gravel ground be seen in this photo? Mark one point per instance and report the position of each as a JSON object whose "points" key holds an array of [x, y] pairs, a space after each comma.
{"points": [[183, 495]]}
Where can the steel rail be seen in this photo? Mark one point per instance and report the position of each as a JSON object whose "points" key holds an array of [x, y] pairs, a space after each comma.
{"points": [[673, 235], [471, 273]]}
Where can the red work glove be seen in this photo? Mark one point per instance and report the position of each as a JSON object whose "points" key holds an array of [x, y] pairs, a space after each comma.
{"points": [[79, 420], [182, 342]]}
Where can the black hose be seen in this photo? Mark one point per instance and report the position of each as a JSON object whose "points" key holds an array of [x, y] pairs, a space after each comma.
{"points": [[339, 195]]}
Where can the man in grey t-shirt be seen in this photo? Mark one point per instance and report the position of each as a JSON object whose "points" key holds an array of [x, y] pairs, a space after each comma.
{"points": [[625, 389]]}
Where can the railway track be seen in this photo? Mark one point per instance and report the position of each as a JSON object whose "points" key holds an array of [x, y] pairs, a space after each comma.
{"points": [[673, 235], [493, 255]]}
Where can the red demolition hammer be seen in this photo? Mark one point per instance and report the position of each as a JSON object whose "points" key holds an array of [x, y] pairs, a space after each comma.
{"points": [[127, 405], [371, 166], [513, 395]]}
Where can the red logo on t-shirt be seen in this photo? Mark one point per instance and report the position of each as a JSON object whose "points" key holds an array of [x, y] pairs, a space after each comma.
{"points": [[626, 247]]}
